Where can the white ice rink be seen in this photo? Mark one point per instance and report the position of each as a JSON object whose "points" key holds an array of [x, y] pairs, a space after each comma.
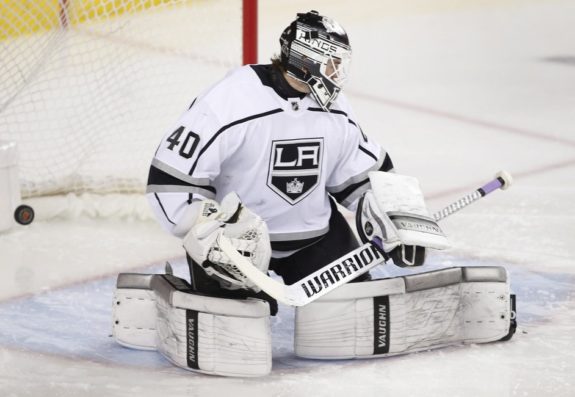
{"points": [[455, 90]]}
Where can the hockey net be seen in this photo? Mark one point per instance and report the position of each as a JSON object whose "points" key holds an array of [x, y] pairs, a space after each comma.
{"points": [[88, 87]]}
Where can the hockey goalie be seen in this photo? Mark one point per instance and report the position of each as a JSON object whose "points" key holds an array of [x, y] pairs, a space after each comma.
{"points": [[260, 163]]}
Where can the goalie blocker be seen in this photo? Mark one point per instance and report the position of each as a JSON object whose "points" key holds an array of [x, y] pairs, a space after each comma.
{"points": [[407, 314]]}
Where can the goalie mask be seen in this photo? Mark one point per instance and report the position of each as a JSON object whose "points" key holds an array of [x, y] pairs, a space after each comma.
{"points": [[315, 50]]}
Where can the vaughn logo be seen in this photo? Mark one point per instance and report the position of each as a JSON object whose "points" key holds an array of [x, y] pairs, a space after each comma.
{"points": [[295, 168], [418, 224], [381, 325], [192, 339]]}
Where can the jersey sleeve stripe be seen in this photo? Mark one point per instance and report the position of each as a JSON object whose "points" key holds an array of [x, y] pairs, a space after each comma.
{"points": [[180, 189], [228, 126], [353, 181], [177, 174], [352, 192], [347, 192], [359, 177], [163, 178]]}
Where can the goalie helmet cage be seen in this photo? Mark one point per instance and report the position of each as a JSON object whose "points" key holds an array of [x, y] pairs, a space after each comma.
{"points": [[88, 87]]}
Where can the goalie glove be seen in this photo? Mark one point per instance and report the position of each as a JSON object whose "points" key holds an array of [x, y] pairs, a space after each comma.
{"points": [[393, 215], [246, 231]]}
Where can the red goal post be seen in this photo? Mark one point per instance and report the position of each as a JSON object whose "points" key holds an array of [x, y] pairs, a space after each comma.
{"points": [[250, 31], [88, 87]]}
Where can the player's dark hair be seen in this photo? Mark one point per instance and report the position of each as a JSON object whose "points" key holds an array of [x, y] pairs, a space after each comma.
{"points": [[277, 63]]}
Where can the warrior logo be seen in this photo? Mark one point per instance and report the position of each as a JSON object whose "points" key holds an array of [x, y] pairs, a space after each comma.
{"points": [[295, 168]]}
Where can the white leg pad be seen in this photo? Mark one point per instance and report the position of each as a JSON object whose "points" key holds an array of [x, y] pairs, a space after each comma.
{"points": [[406, 314], [134, 312], [216, 336]]}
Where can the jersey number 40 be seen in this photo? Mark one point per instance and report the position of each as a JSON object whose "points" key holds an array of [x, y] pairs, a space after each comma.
{"points": [[187, 146]]}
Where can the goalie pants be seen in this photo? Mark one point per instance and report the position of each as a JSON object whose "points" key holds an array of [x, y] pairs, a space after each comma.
{"points": [[338, 241]]}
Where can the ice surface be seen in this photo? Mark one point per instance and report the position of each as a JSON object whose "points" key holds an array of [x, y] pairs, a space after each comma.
{"points": [[455, 91]]}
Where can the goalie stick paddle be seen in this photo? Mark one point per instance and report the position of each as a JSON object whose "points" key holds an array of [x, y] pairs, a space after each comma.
{"points": [[346, 268]]}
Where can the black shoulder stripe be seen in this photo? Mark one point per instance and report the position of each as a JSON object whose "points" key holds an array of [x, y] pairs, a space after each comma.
{"points": [[224, 128]]}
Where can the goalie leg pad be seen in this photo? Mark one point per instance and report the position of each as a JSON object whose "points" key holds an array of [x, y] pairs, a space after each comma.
{"points": [[217, 336], [406, 314], [134, 312]]}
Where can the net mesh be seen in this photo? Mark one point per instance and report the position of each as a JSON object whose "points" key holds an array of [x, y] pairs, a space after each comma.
{"points": [[88, 87]]}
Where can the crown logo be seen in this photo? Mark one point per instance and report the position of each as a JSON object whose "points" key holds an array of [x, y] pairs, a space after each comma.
{"points": [[294, 186]]}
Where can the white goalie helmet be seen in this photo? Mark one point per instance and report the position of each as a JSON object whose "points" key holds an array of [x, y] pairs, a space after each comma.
{"points": [[315, 50]]}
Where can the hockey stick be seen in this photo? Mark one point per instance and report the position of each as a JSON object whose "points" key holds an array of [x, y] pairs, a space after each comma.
{"points": [[502, 181], [346, 268]]}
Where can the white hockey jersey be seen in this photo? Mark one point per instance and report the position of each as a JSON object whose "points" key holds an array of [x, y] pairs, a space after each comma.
{"points": [[283, 156]]}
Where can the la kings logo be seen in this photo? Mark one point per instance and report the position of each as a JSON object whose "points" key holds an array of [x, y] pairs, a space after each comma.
{"points": [[295, 168]]}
